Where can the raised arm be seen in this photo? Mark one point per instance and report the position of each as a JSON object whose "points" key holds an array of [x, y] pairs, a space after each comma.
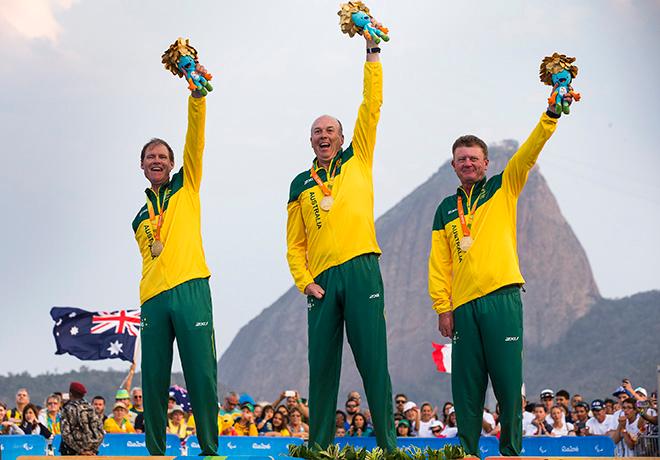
{"points": [[194, 148], [516, 171], [364, 134]]}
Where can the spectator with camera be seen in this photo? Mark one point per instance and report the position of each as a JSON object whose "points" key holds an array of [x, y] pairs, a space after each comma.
{"points": [[581, 418], [293, 400]]}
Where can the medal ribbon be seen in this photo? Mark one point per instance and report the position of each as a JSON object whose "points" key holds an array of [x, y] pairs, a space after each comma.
{"points": [[161, 213], [467, 225], [324, 188]]}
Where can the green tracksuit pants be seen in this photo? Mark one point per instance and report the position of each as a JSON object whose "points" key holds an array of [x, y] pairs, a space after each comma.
{"points": [[353, 297], [488, 341], [184, 312]]}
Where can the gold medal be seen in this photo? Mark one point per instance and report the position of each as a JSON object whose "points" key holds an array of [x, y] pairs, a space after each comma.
{"points": [[156, 248], [466, 243], [326, 202]]}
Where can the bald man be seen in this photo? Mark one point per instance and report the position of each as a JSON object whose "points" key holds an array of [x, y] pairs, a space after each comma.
{"points": [[333, 256]]}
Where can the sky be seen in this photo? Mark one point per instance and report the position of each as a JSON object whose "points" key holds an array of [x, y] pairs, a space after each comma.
{"points": [[82, 89]]}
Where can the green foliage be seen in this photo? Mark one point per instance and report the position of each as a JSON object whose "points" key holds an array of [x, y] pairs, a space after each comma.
{"points": [[348, 452], [453, 452]]}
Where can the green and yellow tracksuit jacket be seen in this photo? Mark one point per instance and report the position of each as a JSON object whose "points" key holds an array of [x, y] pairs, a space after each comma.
{"points": [[317, 239], [182, 258], [457, 277]]}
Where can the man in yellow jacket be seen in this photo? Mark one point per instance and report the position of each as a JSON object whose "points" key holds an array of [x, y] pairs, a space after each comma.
{"points": [[475, 280], [174, 290], [333, 256]]}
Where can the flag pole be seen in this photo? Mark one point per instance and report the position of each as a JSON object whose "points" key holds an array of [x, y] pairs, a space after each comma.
{"points": [[136, 351]]}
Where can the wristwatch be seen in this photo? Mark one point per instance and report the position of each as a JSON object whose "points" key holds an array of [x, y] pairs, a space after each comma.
{"points": [[373, 50]]}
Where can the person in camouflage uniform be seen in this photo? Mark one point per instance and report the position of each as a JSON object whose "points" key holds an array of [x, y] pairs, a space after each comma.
{"points": [[82, 428]]}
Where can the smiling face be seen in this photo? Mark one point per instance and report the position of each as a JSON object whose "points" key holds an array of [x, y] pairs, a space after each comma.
{"points": [[157, 165], [427, 412], [327, 138], [470, 164], [562, 78]]}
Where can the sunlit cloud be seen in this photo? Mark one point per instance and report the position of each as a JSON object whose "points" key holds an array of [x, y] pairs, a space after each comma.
{"points": [[33, 19]]}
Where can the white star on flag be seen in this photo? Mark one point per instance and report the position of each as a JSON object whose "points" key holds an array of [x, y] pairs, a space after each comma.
{"points": [[115, 347], [72, 314], [74, 330]]}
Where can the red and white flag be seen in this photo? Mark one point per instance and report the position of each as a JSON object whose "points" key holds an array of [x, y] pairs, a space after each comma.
{"points": [[442, 357]]}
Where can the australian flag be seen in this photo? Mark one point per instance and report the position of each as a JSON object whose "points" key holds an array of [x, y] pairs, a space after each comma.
{"points": [[91, 335]]}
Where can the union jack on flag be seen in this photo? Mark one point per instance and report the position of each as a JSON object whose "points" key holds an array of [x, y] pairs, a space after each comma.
{"points": [[123, 322], [92, 335]]}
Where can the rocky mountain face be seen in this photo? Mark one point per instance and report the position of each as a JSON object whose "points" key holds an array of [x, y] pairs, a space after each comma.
{"points": [[560, 290]]}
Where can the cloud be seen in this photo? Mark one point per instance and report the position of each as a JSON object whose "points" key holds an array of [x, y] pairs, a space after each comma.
{"points": [[33, 19]]}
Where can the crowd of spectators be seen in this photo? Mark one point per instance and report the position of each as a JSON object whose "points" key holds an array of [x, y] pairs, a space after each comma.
{"points": [[629, 414]]}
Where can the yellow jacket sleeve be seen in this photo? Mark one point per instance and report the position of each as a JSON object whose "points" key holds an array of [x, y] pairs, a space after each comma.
{"points": [[517, 170], [296, 242], [440, 272], [194, 148], [364, 134]]}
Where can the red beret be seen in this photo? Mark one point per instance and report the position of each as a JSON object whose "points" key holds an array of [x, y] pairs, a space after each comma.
{"points": [[78, 388]]}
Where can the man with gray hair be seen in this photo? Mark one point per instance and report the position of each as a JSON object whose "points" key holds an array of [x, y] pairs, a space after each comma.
{"points": [[333, 257]]}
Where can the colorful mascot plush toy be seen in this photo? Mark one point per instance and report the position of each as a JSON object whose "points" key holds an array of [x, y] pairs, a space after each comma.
{"points": [[558, 71], [181, 59], [354, 18]]}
